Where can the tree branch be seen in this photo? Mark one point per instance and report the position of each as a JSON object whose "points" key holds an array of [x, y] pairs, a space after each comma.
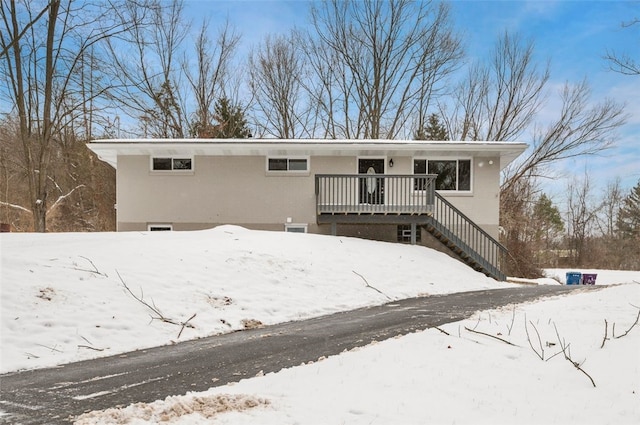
{"points": [[491, 336], [156, 310], [18, 207], [605, 333], [526, 329], [369, 286], [62, 198], [568, 357], [632, 326]]}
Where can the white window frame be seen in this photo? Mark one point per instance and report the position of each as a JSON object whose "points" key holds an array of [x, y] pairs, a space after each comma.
{"points": [[457, 159], [159, 227], [172, 158], [289, 226], [288, 171]]}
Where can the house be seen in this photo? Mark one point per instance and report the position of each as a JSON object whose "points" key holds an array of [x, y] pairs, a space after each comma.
{"points": [[442, 194]]}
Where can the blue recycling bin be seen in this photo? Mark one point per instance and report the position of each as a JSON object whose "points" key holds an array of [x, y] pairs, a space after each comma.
{"points": [[573, 278]]}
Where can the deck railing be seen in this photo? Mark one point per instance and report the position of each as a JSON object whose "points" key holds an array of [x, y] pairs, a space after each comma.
{"points": [[375, 193], [414, 194]]}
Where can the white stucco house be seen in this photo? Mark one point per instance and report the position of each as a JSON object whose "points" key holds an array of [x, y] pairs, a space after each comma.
{"points": [[444, 193]]}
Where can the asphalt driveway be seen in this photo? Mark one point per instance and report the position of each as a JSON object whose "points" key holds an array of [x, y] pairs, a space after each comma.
{"points": [[56, 395]]}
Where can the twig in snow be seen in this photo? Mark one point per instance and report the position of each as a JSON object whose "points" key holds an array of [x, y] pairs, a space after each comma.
{"points": [[632, 326], [441, 330], [513, 318], [568, 356], [186, 324], [606, 326], [156, 310], [477, 323], [95, 269], [50, 348], [90, 348], [489, 335], [559, 352], [526, 329], [369, 286]]}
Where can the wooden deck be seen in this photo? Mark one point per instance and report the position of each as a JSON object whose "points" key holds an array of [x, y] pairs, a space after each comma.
{"points": [[373, 195]]}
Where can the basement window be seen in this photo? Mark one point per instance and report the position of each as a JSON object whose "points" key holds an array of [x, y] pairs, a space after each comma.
{"points": [[295, 228], [404, 233], [159, 227]]}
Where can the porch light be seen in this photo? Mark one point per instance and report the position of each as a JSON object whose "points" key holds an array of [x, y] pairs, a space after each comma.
{"points": [[391, 163]]}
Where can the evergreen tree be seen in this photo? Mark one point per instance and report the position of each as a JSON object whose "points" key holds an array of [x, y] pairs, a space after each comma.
{"points": [[230, 122], [629, 215], [547, 221], [434, 130]]}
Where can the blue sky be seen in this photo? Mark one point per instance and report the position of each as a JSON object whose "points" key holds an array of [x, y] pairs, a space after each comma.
{"points": [[572, 35]]}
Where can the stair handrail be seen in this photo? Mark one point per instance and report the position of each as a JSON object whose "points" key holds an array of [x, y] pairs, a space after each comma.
{"points": [[485, 249]]}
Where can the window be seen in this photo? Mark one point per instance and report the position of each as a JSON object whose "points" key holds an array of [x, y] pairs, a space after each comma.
{"points": [[404, 233], [172, 164], [288, 164], [452, 174], [295, 228], [159, 227]]}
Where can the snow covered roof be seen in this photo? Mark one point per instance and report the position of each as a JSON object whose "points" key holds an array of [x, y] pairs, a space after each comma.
{"points": [[109, 149]]}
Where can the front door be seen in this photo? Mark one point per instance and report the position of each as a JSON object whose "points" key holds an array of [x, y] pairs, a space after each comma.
{"points": [[371, 188]]}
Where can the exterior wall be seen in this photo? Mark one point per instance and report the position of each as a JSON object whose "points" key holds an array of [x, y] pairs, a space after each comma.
{"points": [[483, 204], [220, 190], [239, 190]]}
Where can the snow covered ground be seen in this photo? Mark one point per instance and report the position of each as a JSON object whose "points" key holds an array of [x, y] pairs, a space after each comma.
{"points": [[67, 297]]}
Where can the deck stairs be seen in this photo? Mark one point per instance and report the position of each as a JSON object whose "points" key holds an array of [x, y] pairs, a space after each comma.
{"points": [[471, 244]]}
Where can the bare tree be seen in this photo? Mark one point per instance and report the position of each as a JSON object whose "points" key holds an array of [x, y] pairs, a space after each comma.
{"points": [[146, 67], [41, 68], [582, 128], [209, 78], [624, 63], [611, 201], [581, 216], [276, 71], [499, 100], [377, 60], [16, 37]]}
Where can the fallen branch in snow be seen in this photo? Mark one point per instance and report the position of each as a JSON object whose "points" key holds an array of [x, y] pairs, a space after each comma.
{"points": [[184, 324], [156, 310], [606, 325], [90, 348], [95, 269], [629, 330], [513, 318], [369, 286], [50, 348], [491, 336], [559, 352], [564, 348], [526, 329], [442, 330]]}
